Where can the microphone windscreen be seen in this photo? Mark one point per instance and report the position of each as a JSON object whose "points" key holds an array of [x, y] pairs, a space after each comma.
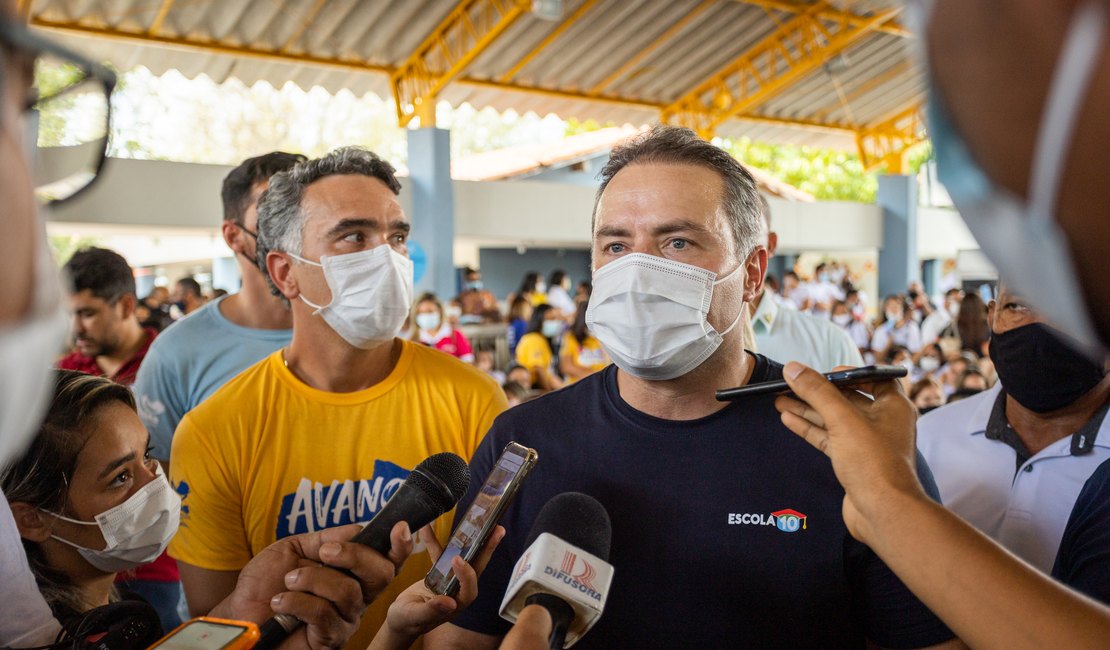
{"points": [[444, 477], [579, 520]]}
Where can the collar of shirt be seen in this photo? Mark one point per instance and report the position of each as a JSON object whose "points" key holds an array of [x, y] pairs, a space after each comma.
{"points": [[998, 428], [767, 313]]}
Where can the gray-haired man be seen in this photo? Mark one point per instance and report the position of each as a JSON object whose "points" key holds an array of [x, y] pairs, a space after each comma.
{"points": [[323, 431]]}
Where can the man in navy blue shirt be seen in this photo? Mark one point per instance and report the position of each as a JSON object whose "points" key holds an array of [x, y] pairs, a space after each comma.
{"points": [[1083, 560], [727, 529]]}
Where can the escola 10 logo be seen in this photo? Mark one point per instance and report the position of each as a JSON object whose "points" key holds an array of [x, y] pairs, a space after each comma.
{"points": [[789, 521]]}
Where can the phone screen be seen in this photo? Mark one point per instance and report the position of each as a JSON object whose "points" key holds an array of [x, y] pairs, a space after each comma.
{"points": [[202, 635], [482, 515]]}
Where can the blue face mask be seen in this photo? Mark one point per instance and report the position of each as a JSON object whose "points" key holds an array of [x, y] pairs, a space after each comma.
{"points": [[476, 285], [1012, 231], [552, 328]]}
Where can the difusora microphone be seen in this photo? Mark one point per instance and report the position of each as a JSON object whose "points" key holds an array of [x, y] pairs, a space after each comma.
{"points": [[431, 489], [566, 567]]}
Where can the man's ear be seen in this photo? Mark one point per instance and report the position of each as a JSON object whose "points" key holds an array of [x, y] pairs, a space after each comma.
{"points": [[233, 236], [126, 305], [280, 269], [755, 268], [772, 243], [33, 525]]}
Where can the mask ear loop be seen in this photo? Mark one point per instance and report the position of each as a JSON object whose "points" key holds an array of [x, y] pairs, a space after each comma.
{"points": [[306, 301], [1067, 92]]}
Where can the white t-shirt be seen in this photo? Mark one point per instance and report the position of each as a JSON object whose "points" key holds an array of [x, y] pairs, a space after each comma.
{"points": [[27, 621], [788, 335]]}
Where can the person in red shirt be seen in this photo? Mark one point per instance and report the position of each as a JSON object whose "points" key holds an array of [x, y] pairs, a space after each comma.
{"points": [[110, 342], [108, 339], [430, 327]]}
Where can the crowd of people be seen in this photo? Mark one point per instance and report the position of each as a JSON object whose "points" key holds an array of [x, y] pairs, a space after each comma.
{"points": [[252, 436]]}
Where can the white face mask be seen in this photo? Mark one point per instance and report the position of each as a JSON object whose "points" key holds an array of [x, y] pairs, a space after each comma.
{"points": [[842, 319], [27, 351], [953, 309], [137, 530], [649, 313], [552, 328], [427, 322], [1012, 232], [371, 291], [893, 317], [929, 364]]}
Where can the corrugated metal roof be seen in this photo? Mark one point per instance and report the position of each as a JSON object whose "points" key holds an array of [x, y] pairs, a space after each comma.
{"points": [[362, 39]]}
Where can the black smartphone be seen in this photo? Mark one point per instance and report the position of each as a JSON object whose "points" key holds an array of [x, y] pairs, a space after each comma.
{"points": [[481, 517], [840, 378]]}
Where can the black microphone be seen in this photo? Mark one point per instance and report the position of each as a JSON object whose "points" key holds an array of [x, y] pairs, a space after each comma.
{"points": [[565, 568], [431, 489]]}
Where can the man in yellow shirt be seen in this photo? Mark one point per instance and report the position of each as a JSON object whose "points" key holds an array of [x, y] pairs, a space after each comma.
{"points": [[322, 432]]}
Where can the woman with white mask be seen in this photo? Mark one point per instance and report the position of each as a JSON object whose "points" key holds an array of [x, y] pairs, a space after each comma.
{"points": [[87, 497]]}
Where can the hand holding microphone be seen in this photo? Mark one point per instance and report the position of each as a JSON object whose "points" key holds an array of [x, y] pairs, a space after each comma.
{"points": [[565, 570], [432, 488]]}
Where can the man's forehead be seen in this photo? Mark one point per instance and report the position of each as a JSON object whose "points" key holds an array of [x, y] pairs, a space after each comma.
{"points": [[676, 191], [342, 196]]}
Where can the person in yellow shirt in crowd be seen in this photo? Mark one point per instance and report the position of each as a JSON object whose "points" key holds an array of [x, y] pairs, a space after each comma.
{"points": [[536, 349], [581, 354], [322, 432]]}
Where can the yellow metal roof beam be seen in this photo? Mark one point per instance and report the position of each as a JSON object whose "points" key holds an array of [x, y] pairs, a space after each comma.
{"points": [[888, 140], [549, 39], [458, 39], [114, 34], [666, 36], [160, 17], [791, 52], [798, 6]]}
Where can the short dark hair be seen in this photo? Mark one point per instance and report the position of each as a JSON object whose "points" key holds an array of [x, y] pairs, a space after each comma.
{"points": [[240, 182], [681, 146], [190, 285], [103, 272]]}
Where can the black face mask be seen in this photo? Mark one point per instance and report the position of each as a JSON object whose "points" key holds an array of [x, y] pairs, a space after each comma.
{"points": [[253, 261], [1041, 371]]}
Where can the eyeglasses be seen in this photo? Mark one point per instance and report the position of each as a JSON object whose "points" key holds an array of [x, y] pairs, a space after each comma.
{"points": [[71, 103]]}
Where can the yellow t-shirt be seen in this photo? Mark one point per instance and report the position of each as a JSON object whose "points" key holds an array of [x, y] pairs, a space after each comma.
{"points": [[534, 353], [590, 354], [266, 457]]}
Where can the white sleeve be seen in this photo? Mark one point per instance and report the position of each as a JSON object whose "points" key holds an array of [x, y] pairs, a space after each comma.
{"points": [[27, 621]]}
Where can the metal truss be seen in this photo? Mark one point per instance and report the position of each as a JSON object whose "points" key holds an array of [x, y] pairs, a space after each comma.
{"points": [[801, 45], [464, 34], [886, 141]]}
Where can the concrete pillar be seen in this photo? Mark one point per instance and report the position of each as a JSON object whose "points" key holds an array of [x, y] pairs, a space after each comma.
{"points": [[776, 266], [433, 208], [898, 257]]}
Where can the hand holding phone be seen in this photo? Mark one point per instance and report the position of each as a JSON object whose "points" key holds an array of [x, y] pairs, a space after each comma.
{"points": [[839, 378], [481, 517]]}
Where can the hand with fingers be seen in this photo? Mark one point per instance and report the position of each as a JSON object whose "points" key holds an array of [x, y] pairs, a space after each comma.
{"points": [[322, 579], [868, 432], [531, 630], [417, 610]]}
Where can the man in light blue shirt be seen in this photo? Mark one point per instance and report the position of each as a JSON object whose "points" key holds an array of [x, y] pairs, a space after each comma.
{"points": [[199, 354], [789, 335]]}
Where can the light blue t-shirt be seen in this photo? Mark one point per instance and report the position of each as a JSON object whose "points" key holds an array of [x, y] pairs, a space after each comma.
{"points": [[189, 361]]}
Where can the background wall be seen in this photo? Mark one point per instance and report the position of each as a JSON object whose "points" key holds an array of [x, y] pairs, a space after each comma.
{"points": [[504, 268]]}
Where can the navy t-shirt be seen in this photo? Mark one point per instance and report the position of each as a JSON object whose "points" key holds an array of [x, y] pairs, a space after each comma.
{"points": [[699, 556], [1083, 560]]}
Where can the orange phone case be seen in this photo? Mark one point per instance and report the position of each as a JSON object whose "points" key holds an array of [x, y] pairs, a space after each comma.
{"points": [[244, 641]]}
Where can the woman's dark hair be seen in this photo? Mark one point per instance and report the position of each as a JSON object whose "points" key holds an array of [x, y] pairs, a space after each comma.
{"points": [[557, 277], [579, 329], [516, 310], [538, 317], [972, 325], [41, 477], [529, 283], [894, 351]]}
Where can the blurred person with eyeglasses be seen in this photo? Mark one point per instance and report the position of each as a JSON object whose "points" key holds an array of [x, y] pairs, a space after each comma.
{"points": [[32, 329]]}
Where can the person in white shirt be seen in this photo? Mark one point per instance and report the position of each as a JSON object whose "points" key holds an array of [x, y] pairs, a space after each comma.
{"points": [[936, 322], [788, 335], [1012, 459], [856, 328], [558, 294], [822, 292], [897, 328]]}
